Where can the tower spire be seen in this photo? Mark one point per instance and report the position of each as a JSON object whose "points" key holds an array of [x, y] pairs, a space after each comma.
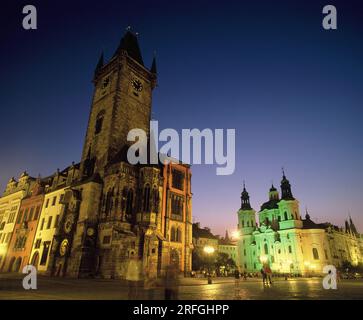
{"points": [[286, 193], [99, 64], [245, 199], [130, 45], [153, 68]]}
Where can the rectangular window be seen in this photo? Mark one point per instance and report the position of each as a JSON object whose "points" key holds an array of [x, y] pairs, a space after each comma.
{"points": [[25, 218], [106, 240], [37, 211], [54, 200], [49, 222], [42, 225], [31, 214], [47, 203], [19, 217], [177, 179], [56, 223], [11, 217], [37, 243], [46, 247], [61, 198]]}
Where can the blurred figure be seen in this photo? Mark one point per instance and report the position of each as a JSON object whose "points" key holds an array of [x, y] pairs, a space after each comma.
{"points": [[263, 274], [150, 283], [268, 273], [171, 282], [133, 276]]}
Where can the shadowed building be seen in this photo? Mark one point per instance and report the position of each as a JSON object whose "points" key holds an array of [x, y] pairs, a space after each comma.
{"points": [[99, 212]]}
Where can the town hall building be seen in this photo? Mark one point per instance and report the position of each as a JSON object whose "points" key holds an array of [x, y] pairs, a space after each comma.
{"points": [[96, 214]]}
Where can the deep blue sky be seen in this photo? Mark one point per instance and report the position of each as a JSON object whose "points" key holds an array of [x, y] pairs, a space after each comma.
{"points": [[292, 90]]}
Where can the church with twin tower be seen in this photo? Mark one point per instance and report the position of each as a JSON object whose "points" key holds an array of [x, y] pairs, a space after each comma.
{"points": [[102, 211], [288, 243]]}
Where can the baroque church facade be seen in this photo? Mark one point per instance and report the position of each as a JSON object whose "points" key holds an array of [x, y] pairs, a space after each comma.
{"points": [[94, 215], [288, 243]]}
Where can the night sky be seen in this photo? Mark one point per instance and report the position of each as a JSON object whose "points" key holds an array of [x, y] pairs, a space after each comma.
{"points": [[292, 90]]}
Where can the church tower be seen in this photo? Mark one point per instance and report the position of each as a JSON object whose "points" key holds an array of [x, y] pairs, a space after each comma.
{"points": [[121, 102], [246, 215], [288, 207]]}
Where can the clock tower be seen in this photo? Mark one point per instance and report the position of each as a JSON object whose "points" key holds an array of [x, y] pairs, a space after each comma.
{"points": [[121, 102]]}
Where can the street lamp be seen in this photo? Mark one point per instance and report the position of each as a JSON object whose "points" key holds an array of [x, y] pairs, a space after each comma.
{"points": [[235, 235], [209, 250], [263, 259]]}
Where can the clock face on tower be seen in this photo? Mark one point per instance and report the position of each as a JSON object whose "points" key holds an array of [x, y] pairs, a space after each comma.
{"points": [[137, 85]]}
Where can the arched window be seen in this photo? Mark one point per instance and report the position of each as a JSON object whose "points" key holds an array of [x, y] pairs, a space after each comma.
{"points": [[173, 234], [279, 218], [99, 122], [285, 215], [155, 199], [248, 223], [178, 235], [147, 198], [266, 248], [315, 254], [129, 202], [109, 197]]}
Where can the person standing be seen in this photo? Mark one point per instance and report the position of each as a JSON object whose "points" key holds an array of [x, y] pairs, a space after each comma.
{"points": [[268, 274], [263, 276]]}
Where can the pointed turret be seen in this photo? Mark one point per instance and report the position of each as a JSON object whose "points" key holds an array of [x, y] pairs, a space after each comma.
{"points": [[286, 193], [130, 45], [245, 199], [153, 69], [99, 64], [347, 228]]}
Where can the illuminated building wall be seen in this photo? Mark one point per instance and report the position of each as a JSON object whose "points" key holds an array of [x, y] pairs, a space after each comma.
{"points": [[288, 243]]}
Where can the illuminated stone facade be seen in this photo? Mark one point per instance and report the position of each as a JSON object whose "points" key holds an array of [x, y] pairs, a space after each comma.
{"points": [[99, 212], [288, 243]]}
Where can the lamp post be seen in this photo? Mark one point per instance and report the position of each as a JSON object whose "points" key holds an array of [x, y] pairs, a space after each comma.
{"points": [[209, 250]]}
